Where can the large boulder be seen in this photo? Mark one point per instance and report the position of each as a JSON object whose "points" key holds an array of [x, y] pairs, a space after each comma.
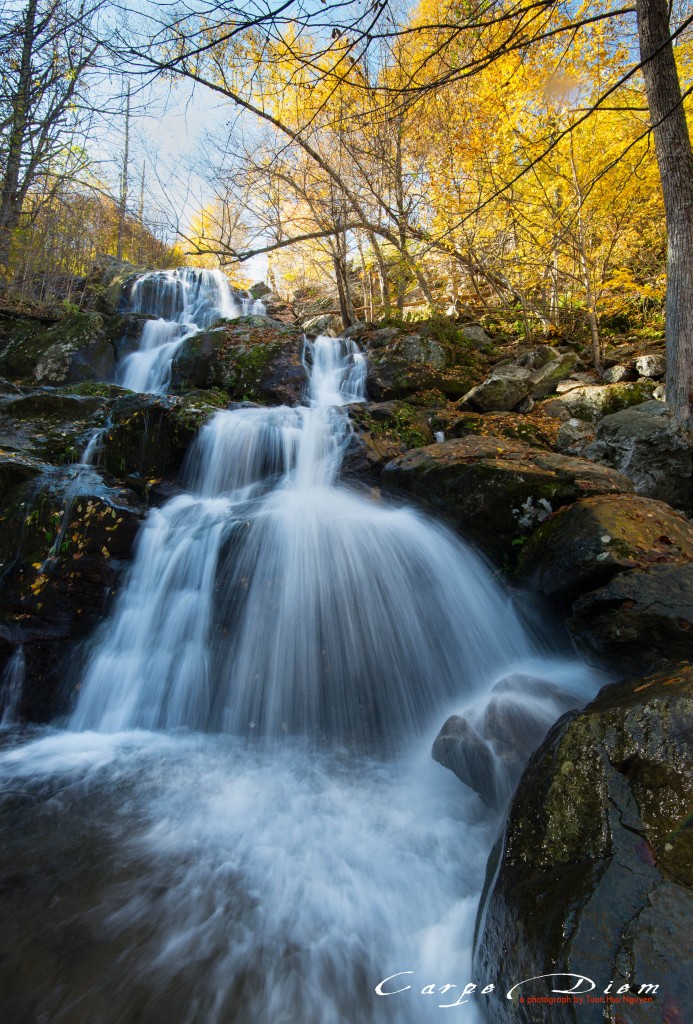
{"points": [[593, 873], [535, 374], [77, 347], [593, 402], [638, 618], [646, 445], [252, 358], [148, 435], [494, 490], [585, 545]]}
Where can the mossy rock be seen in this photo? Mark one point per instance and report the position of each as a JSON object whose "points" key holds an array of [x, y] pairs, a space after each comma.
{"points": [[585, 545], [50, 425], [593, 402], [149, 435], [496, 491], [250, 359], [593, 873], [73, 349]]}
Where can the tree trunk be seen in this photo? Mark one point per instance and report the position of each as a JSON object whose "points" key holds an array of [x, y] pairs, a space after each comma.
{"points": [[675, 160]]}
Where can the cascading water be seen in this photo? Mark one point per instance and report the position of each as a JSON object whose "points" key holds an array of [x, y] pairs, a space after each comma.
{"points": [[279, 841], [184, 302]]}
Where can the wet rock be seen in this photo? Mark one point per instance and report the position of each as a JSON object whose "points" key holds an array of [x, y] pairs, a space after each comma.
{"points": [[496, 491], [75, 348], [585, 545], [638, 618], [592, 402], [488, 747], [646, 445], [593, 873], [66, 536], [251, 359], [653, 365], [149, 435], [49, 424]]}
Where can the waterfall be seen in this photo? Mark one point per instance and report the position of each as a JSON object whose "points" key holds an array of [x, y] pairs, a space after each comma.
{"points": [[269, 599], [242, 822], [11, 686], [184, 302]]}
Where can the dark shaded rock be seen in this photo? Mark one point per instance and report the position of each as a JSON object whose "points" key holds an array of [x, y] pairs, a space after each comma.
{"points": [[646, 445], [638, 618], [382, 431], [586, 544], [251, 359], [149, 435], [75, 348], [496, 491], [66, 536], [594, 870], [49, 424], [488, 747]]}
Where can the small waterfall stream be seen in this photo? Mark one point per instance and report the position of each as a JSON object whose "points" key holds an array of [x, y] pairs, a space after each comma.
{"points": [[245, 823], [183, 302]]}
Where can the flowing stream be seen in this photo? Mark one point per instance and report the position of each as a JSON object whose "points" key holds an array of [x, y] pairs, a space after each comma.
{"points": [[241, 823]]}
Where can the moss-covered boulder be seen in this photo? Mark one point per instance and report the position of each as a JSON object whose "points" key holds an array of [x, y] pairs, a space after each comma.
{"points": [[111, 280], [585, 545], [593, 873], [149, 435], [382, 431], [593, 402], [638, 618], [251, 359], [505, 389], [406, 359], [76, 347], [496, 491]]}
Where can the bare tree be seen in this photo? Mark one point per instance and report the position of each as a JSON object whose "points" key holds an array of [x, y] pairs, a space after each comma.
{"points": [[47, 47]]}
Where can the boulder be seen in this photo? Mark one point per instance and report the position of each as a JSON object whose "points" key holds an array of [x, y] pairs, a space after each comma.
{"points": [[476, 335], [646, 445], [402, 363], [66, 537], [545, 379], [252, 358], [494, 490], [382, 431], [573, 436], [593, 872], [592, 402], [488, 747], [74, 348], [148, 435], [535, 431], [504, 390], [620, 372], [639, 618], [653, 365], [50, 425], [536, 358], [585, 545]]}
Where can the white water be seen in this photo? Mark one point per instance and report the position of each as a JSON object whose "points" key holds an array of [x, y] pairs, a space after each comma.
{"points": [[11, 686], [184, 301], [278, 841]]}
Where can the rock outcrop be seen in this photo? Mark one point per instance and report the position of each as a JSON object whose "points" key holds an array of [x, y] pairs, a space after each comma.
{"points": [[494, 490]]}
